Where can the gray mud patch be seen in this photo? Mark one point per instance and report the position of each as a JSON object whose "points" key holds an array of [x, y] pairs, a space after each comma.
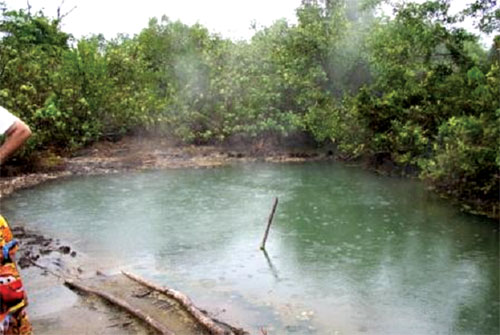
{"points": [[53, 308]]}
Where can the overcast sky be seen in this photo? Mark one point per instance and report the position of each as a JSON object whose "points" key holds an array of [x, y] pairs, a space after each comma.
{"points": [[231, 18]]}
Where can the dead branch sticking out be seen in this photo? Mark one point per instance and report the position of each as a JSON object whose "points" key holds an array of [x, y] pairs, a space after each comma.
{"points": [[269, 221], [123, 304], [186, 303], [59, 10], [62, 16]]}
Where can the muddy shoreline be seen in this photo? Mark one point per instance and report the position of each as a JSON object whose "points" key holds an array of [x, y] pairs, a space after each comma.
{"points": [[135, 154]]}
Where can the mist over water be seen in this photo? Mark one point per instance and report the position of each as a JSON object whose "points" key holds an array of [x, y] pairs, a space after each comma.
{"points": [[348, 252]]}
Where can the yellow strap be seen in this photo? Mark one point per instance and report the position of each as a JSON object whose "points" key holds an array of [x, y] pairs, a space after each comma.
{"points": [[17, 307]]}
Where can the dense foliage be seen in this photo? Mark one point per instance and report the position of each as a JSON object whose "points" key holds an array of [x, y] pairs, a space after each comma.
{"points": [[411, 89]]}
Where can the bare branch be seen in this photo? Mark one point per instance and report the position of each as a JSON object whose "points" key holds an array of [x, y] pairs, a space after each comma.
{"points": [[186, 302], [67, 13], [62, 16]]}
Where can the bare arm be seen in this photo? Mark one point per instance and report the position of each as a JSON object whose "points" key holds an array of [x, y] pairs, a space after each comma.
{"points": [[16, 135]]}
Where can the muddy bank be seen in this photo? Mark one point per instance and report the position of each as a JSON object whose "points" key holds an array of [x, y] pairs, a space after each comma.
{"points": [[47, 264], [52, 308], [134, 153]]}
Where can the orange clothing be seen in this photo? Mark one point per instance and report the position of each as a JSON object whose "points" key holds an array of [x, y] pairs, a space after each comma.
{"points": [[13, 302]]}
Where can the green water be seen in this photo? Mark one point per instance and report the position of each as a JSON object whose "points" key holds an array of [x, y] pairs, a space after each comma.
{"points": [[349, 252]]}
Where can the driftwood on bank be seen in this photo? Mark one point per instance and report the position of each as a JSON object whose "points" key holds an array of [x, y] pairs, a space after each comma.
{"points": [[269, 222], [186, 303], [123, 304]]}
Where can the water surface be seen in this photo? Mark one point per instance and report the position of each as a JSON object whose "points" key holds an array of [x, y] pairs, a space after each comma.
{"points": [[349, 252]]}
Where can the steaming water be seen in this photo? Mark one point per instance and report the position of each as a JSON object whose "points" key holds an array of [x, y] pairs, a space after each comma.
{"points": [[349, 252]]}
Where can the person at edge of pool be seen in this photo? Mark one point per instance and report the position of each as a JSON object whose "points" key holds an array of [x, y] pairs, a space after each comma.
{"points": [[17, 133], [13, 299]]}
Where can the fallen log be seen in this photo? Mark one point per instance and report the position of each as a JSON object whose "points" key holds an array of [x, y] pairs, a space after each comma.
{"points": [[123, 304], [186, 302]]}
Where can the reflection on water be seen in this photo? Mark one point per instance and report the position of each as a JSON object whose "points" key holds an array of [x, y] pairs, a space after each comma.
{"points": [[349, 252]]}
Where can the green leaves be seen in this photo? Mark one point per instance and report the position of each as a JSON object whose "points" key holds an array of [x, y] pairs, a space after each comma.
{"points": [[475, 75], [465, 161]]}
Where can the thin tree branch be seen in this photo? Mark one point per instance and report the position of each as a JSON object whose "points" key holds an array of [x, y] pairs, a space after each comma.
{"points": [[185, 302]]}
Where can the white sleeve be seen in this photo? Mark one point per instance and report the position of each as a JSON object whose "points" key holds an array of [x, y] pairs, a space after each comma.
{"points": [[6, 120]]}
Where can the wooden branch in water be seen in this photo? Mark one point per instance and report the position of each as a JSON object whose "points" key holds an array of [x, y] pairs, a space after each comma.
{"points": [[269, 221], [185, 301], [123, 304]]}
